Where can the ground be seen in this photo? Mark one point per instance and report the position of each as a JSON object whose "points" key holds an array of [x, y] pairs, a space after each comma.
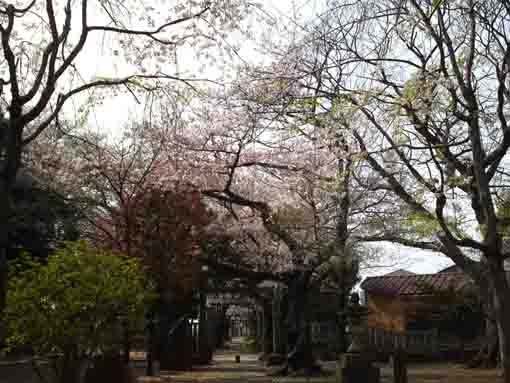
{"points": [[224, 369]]}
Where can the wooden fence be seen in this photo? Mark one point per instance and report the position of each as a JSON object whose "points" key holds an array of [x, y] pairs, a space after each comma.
{"points": [[411, 342]]}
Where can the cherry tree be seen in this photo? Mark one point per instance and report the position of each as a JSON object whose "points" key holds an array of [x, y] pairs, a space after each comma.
{"points": [[298, 185], [43, 68], [420, 87]]}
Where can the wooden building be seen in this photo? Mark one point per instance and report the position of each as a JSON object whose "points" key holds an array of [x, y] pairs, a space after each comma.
{"points": [[403, 301]]}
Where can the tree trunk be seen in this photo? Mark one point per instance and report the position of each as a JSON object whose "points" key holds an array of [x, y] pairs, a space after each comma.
{"points": [[299, 351], [501, 304], [503, 325], [486, 355], [267, 329], [259, 332], [278, 341], [149, 371], [341, 320], [126, 343], [203, 331], [70, 368], [175, 341], [5, 208]]}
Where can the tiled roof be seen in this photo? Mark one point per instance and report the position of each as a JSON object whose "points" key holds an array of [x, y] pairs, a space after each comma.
{"points": [[451, 269], [415, 284], [401, 272]]}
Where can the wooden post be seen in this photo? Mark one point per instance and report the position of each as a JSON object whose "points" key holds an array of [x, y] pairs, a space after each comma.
{"points": [[278, 346], [259, 336], [264, 326], [399, 367]]}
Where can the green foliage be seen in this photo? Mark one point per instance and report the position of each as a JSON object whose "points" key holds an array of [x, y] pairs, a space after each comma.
{"points": [[425, 225], [75, 300], [409, 93], [422, 223], [305, 102], [41, 217]]}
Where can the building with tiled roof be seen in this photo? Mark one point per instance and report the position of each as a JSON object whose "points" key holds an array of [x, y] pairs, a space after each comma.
{"points": [[414, 284], [396, 300]]}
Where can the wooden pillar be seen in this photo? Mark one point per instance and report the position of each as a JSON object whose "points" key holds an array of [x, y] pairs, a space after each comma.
{"points": [[203, 333], [278, 339], [258, 330], [399, 367], [263, 327]]}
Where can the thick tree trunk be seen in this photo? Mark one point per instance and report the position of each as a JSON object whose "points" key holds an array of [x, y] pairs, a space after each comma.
{"points": [[259, 331], [5, 208], [487, 354], [10, 150], [267, 329], [503, 325], [203, 331], [150, 343], [278, 339], [299, 348], [70, 368], [501, 304], [341, 317], [175, 341]]}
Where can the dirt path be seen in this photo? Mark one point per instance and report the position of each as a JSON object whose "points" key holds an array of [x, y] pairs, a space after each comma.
{"points": [[224, 368]]}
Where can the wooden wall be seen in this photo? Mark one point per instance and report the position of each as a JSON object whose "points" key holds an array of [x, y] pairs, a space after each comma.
{"points": [[386, 312]]}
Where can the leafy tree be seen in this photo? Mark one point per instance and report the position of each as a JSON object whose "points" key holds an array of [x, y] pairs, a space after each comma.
{"points": [[70, 308], [42, 217]]}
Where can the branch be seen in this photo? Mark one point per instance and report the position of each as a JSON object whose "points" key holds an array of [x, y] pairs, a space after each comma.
{"points": [[394, 184], [290, 168], [94, 84], [464, 242], [424, 245], [8, 53], [150, 34], [17, 11], [53, 75], [265, 212], [232, 270]]}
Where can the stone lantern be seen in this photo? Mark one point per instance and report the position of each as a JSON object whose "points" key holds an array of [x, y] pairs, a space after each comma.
{"points": [[357, 320], [356, 365]]}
